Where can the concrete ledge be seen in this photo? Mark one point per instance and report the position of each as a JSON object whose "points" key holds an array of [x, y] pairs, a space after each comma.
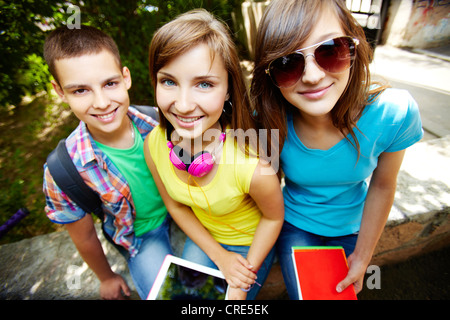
{"points": [[419, 221], [49, 266]]}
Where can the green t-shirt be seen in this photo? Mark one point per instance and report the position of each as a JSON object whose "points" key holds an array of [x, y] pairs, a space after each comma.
{"points": [[149, 207]]}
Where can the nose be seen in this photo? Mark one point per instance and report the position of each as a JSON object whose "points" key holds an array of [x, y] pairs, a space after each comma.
{"points": [[101, 100], [312, 73], [184, 102]]}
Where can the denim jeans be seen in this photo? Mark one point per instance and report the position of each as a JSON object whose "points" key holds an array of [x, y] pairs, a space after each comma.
{"points": [[193, 253], [144, 267], [292, 236]]}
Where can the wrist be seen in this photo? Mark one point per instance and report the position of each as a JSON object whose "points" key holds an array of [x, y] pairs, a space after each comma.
{"points": [[217, 255], [363, 256], [106, 275]]}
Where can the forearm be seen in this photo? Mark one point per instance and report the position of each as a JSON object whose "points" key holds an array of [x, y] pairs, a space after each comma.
{"points": [[376, 211], [266, 192], [379, 200], [378, 204], [85, 238], [265, 237], [94, 256]]}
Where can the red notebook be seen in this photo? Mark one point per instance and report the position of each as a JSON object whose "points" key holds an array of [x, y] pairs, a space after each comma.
{"points": [[319, 270]]}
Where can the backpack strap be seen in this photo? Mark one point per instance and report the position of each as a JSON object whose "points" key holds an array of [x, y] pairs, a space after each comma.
{"points": [[69, 180], [148, 110]]}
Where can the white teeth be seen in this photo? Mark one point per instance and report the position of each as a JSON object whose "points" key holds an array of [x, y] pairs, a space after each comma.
{"points": [[105, 116], [188, 120]]}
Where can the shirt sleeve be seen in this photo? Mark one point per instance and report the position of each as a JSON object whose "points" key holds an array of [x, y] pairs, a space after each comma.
{"points": [[59, 208], [410, 129]]}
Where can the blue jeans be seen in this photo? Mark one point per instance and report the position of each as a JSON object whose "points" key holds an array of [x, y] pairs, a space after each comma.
{"points": [[144, 267], [193, 253], [292, 236]]}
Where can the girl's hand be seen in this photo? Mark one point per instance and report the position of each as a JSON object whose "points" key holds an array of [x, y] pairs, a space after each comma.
{"points": [[355, 275], [237, 270]]}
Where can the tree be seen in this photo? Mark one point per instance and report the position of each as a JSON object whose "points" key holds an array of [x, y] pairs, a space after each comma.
{"points": [[21, 41], [24, 24]]}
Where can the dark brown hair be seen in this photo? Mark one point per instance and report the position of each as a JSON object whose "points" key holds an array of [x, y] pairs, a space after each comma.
{"points": [[65, 43], [189, 30], [285, 25]]}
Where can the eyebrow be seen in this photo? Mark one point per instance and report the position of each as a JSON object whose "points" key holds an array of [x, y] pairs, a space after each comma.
{"points": [[81, 85], [197, 78]]}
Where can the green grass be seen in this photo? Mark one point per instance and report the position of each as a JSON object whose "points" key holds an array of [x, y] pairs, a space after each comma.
{"points": [[27, 134]]}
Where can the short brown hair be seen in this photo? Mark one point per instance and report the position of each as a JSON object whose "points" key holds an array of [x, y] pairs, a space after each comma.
{"points": [[65, 43]]}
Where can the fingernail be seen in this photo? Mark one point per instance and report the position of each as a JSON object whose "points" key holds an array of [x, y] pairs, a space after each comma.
{"points": [[338, 289]]}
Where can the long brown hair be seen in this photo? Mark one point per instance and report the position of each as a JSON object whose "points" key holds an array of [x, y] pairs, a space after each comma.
{"points": [[187, 31], [285, 25]]}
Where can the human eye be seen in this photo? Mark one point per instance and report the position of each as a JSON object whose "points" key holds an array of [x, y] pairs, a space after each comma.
{"points": [[79, 91], [167, 82], [205, 85], [111, 84]]}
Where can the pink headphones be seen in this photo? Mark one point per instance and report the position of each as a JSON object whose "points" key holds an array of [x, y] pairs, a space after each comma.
{"points": [[197, 165]]}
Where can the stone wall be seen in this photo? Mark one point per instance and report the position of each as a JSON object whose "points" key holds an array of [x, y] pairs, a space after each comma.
{"points": [[417, 24]]}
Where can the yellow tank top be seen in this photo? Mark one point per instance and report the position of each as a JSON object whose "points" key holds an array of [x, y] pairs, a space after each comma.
{"points": [[223, 206]]}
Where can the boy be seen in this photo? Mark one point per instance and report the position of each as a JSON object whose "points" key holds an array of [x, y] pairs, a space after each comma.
{"points": [[107, 149]]}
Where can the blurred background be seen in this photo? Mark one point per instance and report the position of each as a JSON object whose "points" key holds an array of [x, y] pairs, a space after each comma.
{"points": [[411, 42], [32, 119]]}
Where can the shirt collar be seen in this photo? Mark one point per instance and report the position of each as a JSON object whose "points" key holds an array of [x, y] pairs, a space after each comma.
{"points": [[89, 152]]}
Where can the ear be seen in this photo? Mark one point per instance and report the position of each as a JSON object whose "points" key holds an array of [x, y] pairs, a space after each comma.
{"points": [[126, 77], [59, 90]]}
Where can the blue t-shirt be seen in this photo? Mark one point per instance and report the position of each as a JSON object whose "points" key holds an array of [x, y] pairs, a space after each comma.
{"points": [[325, 190]]}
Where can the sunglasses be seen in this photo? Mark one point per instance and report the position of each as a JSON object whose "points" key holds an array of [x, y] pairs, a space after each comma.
{"points": [[333, 55]]}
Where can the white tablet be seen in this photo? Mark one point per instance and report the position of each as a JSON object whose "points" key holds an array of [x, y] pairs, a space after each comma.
{"points": [[179, 279]]}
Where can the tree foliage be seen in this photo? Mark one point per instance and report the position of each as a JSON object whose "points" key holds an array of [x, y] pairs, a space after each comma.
{"points": [[24, 24]]}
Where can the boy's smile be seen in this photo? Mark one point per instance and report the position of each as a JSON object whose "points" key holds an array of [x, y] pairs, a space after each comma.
{"points": [[97, 92], [106, 117]]}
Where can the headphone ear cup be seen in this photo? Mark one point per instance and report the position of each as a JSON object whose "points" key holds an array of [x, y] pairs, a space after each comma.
{"points": [[176, 156], [201, 164]]}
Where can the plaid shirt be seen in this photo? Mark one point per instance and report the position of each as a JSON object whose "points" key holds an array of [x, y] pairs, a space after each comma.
{"points": [[98, 171]]}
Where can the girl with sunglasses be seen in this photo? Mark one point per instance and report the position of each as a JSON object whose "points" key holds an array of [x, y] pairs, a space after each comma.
{"points": [[227, 202], [337, 129]]}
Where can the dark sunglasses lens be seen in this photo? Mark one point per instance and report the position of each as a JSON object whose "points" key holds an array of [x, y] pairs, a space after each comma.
{"points": [[286, 71], [336, 55]]}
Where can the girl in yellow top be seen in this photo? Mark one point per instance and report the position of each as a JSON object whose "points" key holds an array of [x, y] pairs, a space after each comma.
{"points": [[227, 202]]}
